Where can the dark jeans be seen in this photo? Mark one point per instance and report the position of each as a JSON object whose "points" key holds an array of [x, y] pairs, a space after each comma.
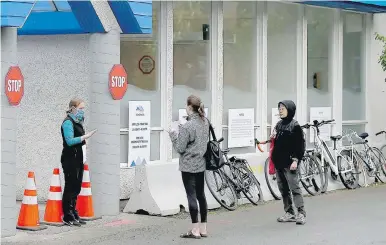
{"points": [[288, 182], [73, 175], [194, 186]]}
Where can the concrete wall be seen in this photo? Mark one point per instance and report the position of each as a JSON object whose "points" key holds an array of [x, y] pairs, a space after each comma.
{"points": [[55, 68]]}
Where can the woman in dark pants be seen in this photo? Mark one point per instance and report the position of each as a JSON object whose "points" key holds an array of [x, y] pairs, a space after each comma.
{"points": [[191, 143], [74, 138]]}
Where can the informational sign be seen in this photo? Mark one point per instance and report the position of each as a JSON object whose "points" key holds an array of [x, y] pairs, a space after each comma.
{"points": [[146, 64], [14, 85], [182, 115], [241, 123], [275, 118], [118, 82], [321, 113], [139, 132]]}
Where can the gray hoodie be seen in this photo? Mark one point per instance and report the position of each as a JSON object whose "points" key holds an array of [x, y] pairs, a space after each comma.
{"points": [[191, 143]]}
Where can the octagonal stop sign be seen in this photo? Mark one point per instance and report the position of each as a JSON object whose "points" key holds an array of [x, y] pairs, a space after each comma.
{"points": [[14, 85], [118, 82]]}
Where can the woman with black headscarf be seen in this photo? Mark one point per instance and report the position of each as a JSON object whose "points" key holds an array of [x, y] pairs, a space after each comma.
{"points": [[287, 153]]}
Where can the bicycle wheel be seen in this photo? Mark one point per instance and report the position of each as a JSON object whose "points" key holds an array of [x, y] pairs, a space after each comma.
{"points": [[311, 175], [324, 173], [349, 169], [250, 186], [221, 188], [379, 161], [271, 181]]}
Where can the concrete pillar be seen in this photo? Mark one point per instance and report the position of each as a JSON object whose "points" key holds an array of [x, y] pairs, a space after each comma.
{"points": [[104, 146], [8, 136]]}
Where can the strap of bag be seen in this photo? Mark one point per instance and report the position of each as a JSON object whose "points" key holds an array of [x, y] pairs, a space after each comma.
{"points": [[211, 131]]}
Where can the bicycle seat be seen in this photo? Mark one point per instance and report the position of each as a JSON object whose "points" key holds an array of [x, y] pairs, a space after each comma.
{"points": [[225, 151], [364, 135], [335, 138]]}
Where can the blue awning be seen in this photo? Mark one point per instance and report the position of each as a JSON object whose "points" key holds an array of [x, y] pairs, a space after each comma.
{"points": [[62, 17], [359, 6], [134, 17]]}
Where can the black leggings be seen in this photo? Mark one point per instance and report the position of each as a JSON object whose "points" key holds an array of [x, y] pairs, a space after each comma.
{"points": [[73, 176], [194, 186]]}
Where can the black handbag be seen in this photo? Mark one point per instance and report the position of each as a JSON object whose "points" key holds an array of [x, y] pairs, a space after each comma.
{"points": [[214, 156]]}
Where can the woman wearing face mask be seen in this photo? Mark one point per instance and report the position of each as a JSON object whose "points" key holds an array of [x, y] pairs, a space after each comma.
{"points": [[191, 144], [74, 138]]}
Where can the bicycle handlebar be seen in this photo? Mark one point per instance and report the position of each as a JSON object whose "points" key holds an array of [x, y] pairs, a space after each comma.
{"points": [[381, 132], [317, 124]]}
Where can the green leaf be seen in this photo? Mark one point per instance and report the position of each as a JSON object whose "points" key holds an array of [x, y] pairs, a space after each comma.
{"points": [[382, 57]]}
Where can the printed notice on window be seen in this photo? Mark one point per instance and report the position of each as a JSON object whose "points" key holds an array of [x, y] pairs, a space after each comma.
{"points": [[139, 133], [241, 123], [320, 114]]}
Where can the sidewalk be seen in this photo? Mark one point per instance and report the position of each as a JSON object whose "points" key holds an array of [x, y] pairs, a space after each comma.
{"points": [[346, 217]]}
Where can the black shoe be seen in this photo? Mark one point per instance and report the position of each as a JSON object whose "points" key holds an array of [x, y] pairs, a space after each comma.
{"points": [[82, 222], [67, 222], [76, 223]]}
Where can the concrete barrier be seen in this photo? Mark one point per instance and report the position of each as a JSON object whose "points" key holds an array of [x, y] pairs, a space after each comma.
{"points": [[158, 190]]}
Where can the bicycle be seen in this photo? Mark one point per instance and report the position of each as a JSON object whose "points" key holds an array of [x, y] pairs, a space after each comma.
{"points": [[383, 151], [238, 178], [341, 161], [308, 167], [372, 159]]}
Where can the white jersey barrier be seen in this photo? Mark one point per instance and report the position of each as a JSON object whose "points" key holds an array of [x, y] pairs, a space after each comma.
{"points": [[158, 190]]}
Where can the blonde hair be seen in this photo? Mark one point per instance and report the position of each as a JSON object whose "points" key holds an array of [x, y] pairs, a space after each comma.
{"points": [[196, 104], [74, 103]]}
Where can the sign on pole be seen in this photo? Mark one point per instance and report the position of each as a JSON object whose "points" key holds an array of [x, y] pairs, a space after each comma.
{"points": [[118, 82], [139, 132], [14, 85]]}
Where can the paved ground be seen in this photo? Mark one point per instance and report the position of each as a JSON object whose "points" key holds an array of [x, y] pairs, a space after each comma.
{"points": [[344, 217]]}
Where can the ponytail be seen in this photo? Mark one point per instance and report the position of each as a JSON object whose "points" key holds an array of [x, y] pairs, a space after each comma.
{"points": [[201, 110]]}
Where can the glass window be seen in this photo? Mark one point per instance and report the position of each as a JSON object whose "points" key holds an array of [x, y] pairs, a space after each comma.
{"points": [[140, 59], [354, 104], [281, 44], [239, 60], [191, 54], [319, 87]]}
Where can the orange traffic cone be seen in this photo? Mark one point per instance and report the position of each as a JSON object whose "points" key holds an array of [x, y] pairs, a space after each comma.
{"points": [[54, 212], [29, 210], [84, 204]]}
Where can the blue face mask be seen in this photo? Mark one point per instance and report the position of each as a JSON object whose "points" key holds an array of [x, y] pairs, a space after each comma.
{"points": [[79, 115]]}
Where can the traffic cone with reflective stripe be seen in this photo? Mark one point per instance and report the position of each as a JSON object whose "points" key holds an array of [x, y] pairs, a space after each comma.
{"points": [[54, 212], [29, 210], [84, 204]]}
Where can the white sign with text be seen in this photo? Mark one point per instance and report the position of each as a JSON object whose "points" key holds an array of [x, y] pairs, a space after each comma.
{"points": [[320, 114], [241, 123], [139, 132], [275, 118]]}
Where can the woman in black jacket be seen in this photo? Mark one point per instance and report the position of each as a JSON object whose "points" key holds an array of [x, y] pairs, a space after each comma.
{"points": [[287, 153], [74, 138]]}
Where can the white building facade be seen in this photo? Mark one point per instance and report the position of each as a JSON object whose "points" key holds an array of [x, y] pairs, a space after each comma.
{"points": [[257, 54]]}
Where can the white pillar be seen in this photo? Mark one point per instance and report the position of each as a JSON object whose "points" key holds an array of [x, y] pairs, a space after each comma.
{"points": [[8, 125], [104, 146], [301, 66], [367, 37], [336, 70], [165, 54], [216, 65], [261, 70]]}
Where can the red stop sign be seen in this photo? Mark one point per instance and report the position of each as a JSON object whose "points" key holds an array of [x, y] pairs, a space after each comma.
{"points": [[14, 85], [118, 82]]}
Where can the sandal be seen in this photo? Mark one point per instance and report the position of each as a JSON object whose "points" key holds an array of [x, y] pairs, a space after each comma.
{"points": [[204, 235], [189, 235]]}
